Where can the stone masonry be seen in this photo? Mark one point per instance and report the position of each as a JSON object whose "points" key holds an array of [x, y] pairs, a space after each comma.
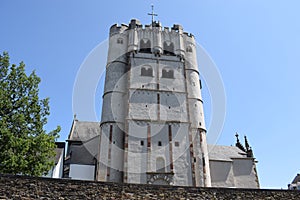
{"points": [[23, 187]]}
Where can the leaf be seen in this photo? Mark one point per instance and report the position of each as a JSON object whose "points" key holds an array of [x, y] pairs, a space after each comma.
{"points": [[25, 147]]}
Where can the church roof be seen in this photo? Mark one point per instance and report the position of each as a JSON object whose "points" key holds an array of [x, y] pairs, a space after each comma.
{"points": [[84, 153], [58, 153], [83, 130], [83, 142], [225, 153], [59, 150]]}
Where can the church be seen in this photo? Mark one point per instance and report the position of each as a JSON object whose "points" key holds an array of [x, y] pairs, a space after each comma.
{"points": [[152, 128]]}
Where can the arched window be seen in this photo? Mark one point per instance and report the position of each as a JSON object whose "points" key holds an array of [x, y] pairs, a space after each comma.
{"points": [[169, 48], [146, 71], [189, 49], [120, 41], [167, 73], [160, 165], [145, 46]]}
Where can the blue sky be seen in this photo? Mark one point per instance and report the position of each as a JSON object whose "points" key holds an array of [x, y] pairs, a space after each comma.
{"points": [[255, 45]]}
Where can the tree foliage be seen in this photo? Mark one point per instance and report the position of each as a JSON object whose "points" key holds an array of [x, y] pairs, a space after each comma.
{"points": [[25, 147]]}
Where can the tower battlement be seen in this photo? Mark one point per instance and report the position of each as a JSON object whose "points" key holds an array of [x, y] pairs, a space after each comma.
{"points": [[153, 38], [136, 24], [117, 29]]}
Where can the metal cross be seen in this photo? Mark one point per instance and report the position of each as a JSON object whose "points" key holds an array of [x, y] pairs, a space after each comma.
{"points": [[152, 14]]}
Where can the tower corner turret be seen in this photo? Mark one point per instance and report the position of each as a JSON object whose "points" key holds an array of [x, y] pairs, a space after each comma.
{"points": [[117, 29]]}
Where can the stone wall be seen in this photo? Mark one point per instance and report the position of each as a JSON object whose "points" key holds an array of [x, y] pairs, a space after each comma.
{"points": [[22, 187]]}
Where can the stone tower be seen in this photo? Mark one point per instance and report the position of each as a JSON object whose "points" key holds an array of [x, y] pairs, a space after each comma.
{"points": [[152, 125]]}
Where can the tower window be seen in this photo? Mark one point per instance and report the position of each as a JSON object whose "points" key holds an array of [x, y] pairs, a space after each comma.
{"points": [[142, 143], [189, 49], [176, 144], [145, 46], [146, 71], [120, 41], [169, 48], [167, 73], [159, 143]]}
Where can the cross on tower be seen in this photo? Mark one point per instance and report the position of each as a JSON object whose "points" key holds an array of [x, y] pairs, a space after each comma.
{"points": [[152, 14]]}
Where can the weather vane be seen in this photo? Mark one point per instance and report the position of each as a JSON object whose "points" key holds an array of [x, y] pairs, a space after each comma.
{"points": [[152, 14]]}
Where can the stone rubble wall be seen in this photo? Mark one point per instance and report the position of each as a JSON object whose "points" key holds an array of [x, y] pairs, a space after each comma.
{"points": [[23, 187]]}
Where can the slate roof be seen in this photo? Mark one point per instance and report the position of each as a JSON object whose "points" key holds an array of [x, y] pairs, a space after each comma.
{"points": [[225, 153], [83, 142], [84, 153], [82, 130], [59, 150]]}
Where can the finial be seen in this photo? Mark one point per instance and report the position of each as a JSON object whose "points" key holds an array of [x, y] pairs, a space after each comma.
{"points": [[237, 137], [248, 148], [152, 14], [238, 144], [75, 116], [247, 144]]}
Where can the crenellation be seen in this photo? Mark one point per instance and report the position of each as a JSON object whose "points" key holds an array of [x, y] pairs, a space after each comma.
{"points": [[135, 24], [156, 24], [185, 33], [117, 29], [177, 27], [173, 31]]}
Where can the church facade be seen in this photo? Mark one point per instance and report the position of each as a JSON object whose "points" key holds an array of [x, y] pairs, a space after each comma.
{"points": [[152, 129]]}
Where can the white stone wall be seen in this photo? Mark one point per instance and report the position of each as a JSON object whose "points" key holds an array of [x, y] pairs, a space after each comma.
{"points": [[117, 49], [198, 154], [236, 173], [173, 107], [159, 134], [177, 84], [58, 168], [244, 173], [222, 174], [103, 154], [137, 153], [181, 155], [143, 82], [117, 153]]}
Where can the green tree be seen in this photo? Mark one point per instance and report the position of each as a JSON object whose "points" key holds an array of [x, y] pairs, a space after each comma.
{"points": [[25, 147]]}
